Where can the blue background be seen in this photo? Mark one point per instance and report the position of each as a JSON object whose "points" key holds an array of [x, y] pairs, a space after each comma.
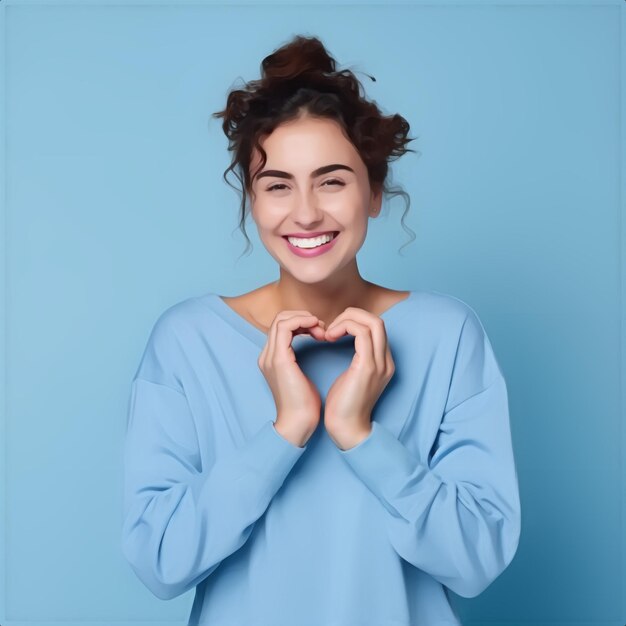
{"points": [[114, 208]]}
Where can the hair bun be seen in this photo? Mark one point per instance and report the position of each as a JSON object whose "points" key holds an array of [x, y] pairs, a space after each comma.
{"points": [[301, 56]]}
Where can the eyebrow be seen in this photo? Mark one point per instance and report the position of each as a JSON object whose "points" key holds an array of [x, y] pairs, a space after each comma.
{"points": [[318, 172]]}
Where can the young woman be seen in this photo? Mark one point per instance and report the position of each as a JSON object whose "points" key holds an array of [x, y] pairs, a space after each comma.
{"points": [[321, 451]]}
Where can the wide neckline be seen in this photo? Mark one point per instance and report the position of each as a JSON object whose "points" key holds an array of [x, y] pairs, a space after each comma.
{"points": [[256, 335]]}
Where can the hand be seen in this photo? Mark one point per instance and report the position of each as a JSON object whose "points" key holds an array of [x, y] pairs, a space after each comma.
{"points": [[297, 400], [352, 397]]}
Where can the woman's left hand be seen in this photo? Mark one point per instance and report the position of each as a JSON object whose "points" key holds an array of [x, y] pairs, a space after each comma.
{"points": [[352, 397]]}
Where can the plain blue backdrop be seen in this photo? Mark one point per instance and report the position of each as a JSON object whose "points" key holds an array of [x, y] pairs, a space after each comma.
{"points": [[114, 208]]}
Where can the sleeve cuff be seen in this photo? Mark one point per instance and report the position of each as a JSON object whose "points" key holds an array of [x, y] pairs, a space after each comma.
{"points": [[270, 454], [259, 468], [386, 466]]}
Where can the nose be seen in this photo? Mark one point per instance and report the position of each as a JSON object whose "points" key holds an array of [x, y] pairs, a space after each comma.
{"points": [[306, 211]]}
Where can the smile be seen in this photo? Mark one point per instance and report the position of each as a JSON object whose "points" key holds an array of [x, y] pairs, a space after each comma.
{"points": [[312, 246], [311, 242]]}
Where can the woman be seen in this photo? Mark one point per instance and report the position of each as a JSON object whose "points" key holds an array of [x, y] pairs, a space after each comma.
{"points": [[279, 507]]}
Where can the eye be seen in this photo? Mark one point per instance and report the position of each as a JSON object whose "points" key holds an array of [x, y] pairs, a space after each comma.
{"points": [[279, 186]]}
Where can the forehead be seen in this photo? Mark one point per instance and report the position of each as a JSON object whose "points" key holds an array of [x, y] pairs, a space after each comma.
{"points": [[302, 144]]}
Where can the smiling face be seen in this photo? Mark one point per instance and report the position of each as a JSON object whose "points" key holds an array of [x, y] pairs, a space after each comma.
{"points": [[314, 181]]}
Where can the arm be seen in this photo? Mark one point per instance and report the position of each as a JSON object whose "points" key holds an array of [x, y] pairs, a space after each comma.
{"points": [[180, 521], [456, 517]]}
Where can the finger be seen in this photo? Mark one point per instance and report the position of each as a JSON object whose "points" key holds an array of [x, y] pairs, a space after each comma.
{"points": [[376, 327], [319, 332], [363, 339], [288, 327], [391, 366], [273, 331], [351, 312], [315, 331]]}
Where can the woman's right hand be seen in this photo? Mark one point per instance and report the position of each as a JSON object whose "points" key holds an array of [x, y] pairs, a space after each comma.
{"points": [[298, 402]]}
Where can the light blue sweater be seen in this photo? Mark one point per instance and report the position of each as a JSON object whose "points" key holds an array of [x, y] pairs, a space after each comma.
{"points": [[272, 534]]}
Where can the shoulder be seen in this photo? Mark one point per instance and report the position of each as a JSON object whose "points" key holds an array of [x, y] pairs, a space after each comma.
{"points": [[180, 320], [171, 338], [450, 323], [443, 308], [474, 359]]}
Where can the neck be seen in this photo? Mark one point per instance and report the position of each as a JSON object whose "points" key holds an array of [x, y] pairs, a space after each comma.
{"points": [[326, 300]]}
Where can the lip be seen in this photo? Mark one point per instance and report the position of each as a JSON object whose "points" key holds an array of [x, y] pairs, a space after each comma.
{"points": [[307, 253], [307, 235]]}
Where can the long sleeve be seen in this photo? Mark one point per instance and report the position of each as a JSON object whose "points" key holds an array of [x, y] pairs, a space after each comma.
{"points": [[457, 515], [184, 511]]}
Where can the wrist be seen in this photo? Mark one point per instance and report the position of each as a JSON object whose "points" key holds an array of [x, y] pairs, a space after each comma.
{"points": [[345, 441], [294, 436]]}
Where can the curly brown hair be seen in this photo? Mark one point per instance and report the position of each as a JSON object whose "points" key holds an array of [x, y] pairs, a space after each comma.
{"points": [[300, 78]]}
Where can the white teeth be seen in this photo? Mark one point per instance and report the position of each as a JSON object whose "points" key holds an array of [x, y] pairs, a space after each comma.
{"points": [[311, 242]]}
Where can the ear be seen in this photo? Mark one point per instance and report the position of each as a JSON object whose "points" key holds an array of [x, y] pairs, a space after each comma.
{"points": [[251, 206], [376, 200]]}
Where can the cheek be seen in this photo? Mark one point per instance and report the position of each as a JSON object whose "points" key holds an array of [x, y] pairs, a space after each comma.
{"points": [[350, 209], [268, 224], [348, 203], [271, 213]]}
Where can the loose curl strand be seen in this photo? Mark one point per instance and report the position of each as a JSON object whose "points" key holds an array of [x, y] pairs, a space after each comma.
{"points": [[299, 79]]}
